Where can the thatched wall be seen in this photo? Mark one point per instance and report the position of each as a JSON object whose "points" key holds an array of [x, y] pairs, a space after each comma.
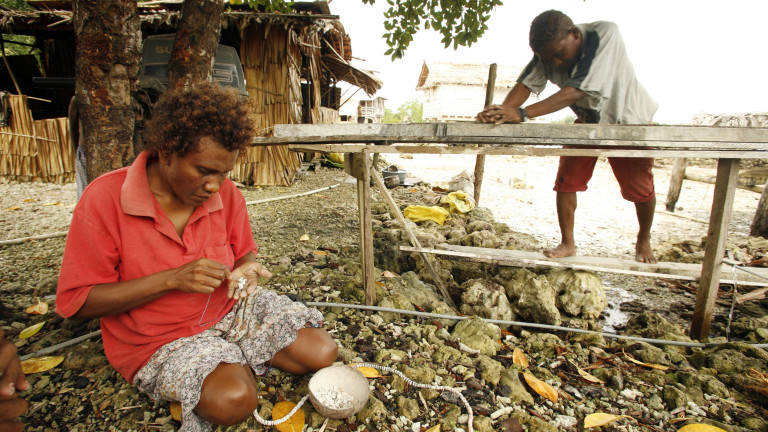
{"points": [[35, 150]]}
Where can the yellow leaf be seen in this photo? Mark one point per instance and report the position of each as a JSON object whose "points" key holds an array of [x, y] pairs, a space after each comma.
{"points": [[435, 428], [369, 372], [650, 365], [41, 308], [320, 253], [13, 208], [176, 410], [589, 377], [29, 200], [321, 196], [40, 364], [700, 427], [53, 203], [540, 387], [293, 424], [31, 330], [304, 238], [519, 358], [600, 419]]}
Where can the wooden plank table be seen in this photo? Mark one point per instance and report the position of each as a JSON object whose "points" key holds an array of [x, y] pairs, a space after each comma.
{"points": [[727, 145]]}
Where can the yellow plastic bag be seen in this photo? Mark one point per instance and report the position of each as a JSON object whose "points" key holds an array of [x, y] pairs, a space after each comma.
{"points": [[424, 213], [458, 202]]}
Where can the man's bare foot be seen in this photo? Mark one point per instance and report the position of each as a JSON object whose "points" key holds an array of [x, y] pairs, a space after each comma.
{"points": [[561, 251], [644, 252]]}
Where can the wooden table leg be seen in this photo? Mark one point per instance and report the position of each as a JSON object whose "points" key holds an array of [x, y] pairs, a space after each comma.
{"points": [[360, 168], [722, 202]]}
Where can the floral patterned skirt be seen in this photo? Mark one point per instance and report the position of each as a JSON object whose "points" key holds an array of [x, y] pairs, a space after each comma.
{"points": [[252, 332]]}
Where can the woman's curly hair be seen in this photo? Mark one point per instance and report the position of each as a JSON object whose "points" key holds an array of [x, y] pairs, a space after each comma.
{"points": [[182, 116], [549, 26]]}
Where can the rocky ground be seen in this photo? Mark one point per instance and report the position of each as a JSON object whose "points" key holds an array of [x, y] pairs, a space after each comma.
{"points": [[311, 245]]}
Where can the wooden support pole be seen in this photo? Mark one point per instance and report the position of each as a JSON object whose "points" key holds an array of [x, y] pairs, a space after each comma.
{"points": [[480, 159], [358, 165], [676, 183], [433, 268], [722, 202]]}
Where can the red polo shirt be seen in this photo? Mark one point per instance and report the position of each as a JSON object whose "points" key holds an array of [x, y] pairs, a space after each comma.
{"points": [[119, 232]]}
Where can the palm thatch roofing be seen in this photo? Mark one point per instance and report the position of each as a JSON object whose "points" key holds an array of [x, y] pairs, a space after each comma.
{"points": [[434, 73]]}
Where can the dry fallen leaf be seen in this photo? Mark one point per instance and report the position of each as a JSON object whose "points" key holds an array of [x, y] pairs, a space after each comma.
{"points": [[40, 364], [41, 308], [600, 419], [319, 252], [540, 387], [305, 237], [435, 428], [699, 427], [31, 330], [53, 203], [176, 410], [29, 200], [369, 372], [293, 424], [589, 377], [650, 365], [321, 196], [388, 274], [519, 358], [13, 208]]}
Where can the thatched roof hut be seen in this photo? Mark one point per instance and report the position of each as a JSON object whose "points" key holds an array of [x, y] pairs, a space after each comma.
{"points": [[292, 64], [456, 91]]}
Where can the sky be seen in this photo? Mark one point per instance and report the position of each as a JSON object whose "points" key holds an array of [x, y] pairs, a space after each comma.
{"points": [[693, 57]]}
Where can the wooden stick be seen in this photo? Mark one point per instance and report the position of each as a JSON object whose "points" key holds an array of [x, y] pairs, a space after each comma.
{"points": [[433, 268], [480, 159], [676, 183], [722, 202]]}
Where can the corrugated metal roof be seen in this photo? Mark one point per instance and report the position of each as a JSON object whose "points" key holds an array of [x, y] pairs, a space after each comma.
{"points": [[434, 73]]}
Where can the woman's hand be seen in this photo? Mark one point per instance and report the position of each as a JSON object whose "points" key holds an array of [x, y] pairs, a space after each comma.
{"points": [[244, 280], [202, 275]]}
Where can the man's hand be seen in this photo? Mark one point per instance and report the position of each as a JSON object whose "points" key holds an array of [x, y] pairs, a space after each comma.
{"points": [[202, 275], [244, 280], [499, 114], [11, 379]]}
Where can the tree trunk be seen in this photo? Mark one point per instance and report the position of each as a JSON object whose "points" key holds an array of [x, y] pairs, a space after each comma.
{"points": [[108, 56], [197, 37], [760, 222]]}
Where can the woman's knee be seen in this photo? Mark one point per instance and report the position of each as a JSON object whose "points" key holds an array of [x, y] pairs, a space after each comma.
{"points": [[327, 353], [229, 396]]}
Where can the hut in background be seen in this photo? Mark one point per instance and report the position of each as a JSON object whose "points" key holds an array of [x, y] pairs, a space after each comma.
{"points": [[292, 64], [456, 92]]}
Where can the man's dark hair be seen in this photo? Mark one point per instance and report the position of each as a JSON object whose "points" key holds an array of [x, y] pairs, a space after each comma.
{"points": [[182, 116], [549, 26]]}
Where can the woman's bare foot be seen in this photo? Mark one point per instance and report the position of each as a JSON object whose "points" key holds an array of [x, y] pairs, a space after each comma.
{"points": [[561, 251], [644, 252]]}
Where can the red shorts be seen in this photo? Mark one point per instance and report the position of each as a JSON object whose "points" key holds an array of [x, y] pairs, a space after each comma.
{"points": [[634, 175]]}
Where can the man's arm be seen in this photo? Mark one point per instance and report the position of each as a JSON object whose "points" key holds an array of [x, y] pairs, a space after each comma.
{"points": [[508, 111]]}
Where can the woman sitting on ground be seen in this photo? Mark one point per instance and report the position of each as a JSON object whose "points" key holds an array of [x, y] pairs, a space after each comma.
{"points": [[162, 252]]}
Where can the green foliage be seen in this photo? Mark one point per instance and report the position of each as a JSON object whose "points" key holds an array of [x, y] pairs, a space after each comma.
{"points": [[24, 42], [267, 5], [409, 112], [461, 22]]}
